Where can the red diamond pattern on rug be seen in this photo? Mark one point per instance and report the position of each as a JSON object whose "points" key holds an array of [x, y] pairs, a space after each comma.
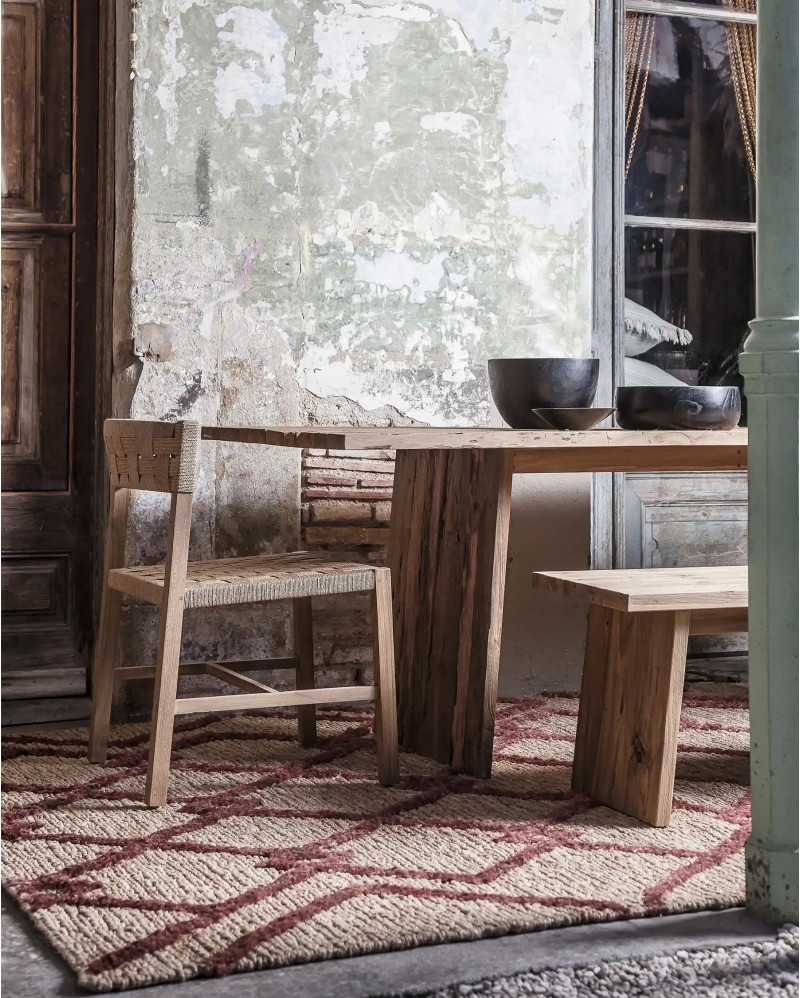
{"points": [[269, 853]]}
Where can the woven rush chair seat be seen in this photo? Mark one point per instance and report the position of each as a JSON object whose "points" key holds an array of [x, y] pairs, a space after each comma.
{"points": [[253, 579], [162, 457]]}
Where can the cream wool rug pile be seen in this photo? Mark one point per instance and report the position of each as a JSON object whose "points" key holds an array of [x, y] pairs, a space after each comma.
{"points": [[270, 854]]}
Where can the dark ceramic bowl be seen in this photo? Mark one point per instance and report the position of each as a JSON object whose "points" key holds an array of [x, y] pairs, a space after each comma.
{"points": [[675, 407], [520, 385]]}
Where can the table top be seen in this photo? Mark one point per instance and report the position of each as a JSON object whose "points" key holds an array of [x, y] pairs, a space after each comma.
{"points": [[530, 451], [706, 588], [470, 438]]}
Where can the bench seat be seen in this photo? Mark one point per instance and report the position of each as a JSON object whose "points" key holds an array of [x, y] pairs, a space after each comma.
{"points": [[639, 624]]}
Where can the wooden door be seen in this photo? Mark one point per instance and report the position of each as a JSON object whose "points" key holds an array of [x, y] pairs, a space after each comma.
{"points": [[49, 222]]}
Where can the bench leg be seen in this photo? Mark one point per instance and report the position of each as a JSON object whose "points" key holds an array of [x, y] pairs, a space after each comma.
{"points": [[302, 620], [627, 738], [383, 668]]}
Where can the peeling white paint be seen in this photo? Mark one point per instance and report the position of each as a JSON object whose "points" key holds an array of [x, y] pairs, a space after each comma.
{"points": [[440, 220], [174, 70], [344, 206], [344, 36], [235, 84], [450, 121], [255, 30], [395, 271]]}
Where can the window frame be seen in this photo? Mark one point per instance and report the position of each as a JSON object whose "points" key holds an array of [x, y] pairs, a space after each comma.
{"points": [[609, 224]]}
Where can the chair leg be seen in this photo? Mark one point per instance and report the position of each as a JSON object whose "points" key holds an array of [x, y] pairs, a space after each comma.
{"points": [[164, 694], [627, 739], [169, 651], [103, 675], [110, 607], [304, 650], [383, 667]]}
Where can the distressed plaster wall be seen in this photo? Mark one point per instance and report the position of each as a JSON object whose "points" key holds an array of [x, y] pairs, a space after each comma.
{"points": [[341, 210]]}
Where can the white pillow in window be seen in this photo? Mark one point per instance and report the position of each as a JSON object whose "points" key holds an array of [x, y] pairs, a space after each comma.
{"points": [[639, 373], [645, 330]]}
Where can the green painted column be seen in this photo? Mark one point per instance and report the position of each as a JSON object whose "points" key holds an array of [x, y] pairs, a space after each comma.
{"points": [[770, 367]]}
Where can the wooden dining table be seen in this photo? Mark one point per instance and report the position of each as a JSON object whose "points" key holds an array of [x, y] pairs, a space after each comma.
{"points": [[448, 541]]}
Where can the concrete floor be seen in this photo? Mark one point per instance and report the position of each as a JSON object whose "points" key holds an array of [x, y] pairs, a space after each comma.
{"points": [[32, 969]]}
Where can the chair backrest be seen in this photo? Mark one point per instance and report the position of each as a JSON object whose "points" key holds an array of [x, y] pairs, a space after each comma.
{"points": [[152, 456]]}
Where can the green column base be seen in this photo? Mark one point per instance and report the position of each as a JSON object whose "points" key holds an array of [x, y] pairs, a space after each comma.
{"points": [[771, 882]]}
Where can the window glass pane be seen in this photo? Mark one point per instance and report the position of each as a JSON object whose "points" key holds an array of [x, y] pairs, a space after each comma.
{"points": [[690, 88], [699, 281], [739, 5]]}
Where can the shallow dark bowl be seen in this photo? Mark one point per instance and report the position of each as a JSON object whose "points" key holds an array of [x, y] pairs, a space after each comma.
{"points": [[520, 385], [678, 407], [574, 419]]}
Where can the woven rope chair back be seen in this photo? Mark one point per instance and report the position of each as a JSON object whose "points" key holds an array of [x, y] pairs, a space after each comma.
{"points": [[152, 456]]}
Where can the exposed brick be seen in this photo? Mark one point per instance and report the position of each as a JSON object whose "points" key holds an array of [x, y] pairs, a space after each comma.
{"points": [[342, 478], [383, 512], [329, 511], [367, 480], [386, 455], [337, 536], [345, 464], [334, 493]]}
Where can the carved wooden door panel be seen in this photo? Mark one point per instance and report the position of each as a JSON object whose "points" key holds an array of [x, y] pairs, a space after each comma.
{"points": [[49, 160]]}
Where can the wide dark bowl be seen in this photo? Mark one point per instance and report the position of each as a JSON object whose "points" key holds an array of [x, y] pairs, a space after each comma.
{"points": [[678, 407], [522, 384]]}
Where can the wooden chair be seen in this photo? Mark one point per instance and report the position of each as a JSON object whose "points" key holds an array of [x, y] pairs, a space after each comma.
{"points": [[162, 457], [640, 620]]}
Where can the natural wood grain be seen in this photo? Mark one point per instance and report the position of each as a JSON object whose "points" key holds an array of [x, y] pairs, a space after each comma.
{"points": [[383, 668], [38, 460], [447, 554], [640, 589], [20, 684], [537, 450], [303, 627], [49, 151], [235, 679], [41, 655], [639, 623], [110, 607], [22, 42], [131, 672], [34, 591], [43, 710], [593, 682], [37, 519], [162, 457], [11, 349], [719, 621], [169, 649], [448, 568], [629, 713], [291, 698], [646, 455]]}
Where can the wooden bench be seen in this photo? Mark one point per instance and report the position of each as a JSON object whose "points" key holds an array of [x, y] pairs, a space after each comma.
{"points": [[639, 624]]}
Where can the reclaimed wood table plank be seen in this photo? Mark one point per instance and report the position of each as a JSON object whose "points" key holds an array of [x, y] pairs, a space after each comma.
{"points": [[448, 547], [549, 451]]}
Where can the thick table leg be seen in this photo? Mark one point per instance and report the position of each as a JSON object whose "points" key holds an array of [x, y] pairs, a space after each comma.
{"points": [[627, 738], [447, 553]]}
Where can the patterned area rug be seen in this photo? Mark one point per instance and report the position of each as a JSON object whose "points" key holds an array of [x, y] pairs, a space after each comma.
{"points": [[270, 854]]}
